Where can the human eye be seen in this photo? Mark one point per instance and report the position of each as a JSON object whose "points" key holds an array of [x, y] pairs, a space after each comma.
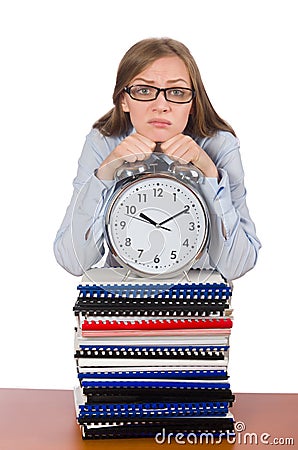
{"points": [[179, 95], [143, 91], [177, 92]]}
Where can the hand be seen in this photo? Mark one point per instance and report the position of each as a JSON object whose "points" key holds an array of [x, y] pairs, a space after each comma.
{"points": [[147, 219], [144, 218], [184, 211], [133, 148], [184, 149]]}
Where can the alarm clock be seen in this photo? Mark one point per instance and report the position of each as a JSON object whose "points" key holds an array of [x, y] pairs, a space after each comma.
{"points": [[156, 222]]}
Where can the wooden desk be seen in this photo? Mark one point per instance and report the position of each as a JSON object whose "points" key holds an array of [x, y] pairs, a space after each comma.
{"points": [[45, 420]]}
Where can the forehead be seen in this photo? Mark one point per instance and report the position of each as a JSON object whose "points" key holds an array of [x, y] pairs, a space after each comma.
{"points": [[164, 71]]}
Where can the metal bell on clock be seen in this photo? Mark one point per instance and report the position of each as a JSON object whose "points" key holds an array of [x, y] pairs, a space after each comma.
{"points": [[185, 172], [131, 170]]}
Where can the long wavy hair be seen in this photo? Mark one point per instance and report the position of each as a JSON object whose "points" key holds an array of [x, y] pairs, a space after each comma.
{"points": [[203, 122]]}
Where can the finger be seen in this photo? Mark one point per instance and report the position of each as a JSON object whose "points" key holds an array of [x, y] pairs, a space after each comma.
{"points": [[143, 144], [127, 148], [181, 149], [177, 142], [170, 143], [138, 145], [148, 142]]}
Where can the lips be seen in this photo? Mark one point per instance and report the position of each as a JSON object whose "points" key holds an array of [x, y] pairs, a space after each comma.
{"points": [[160, 123]]}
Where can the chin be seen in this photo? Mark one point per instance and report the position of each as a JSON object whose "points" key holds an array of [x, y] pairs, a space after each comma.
{"points": [[159, 136]]}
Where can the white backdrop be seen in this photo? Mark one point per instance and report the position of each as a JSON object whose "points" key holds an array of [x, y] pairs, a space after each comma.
{"points": [[59, 60]]}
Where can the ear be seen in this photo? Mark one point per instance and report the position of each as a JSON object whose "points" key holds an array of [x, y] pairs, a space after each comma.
{"points": [[124, 104]]}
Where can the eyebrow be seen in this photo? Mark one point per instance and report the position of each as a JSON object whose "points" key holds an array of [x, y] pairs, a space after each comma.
{"points": [[176, 80]]}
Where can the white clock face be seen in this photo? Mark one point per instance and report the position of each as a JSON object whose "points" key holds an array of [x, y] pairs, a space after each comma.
{"points": [[156, 225]]}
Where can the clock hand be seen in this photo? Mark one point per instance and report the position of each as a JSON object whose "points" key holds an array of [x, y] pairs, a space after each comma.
{"points": [[147, 219], [185, 210], [138, 218]]}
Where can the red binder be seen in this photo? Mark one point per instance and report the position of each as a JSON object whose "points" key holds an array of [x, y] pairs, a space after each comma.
{"points": [[157, 324]]}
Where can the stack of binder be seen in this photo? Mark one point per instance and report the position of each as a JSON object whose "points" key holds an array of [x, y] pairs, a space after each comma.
{"points": [[152, 356]]}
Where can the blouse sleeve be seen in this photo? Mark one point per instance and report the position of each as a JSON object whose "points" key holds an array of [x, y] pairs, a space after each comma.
{"points": [[233, 245], [79, 242]]}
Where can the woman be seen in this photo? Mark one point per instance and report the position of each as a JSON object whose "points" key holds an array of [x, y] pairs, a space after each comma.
{"points": [[159, 97]]}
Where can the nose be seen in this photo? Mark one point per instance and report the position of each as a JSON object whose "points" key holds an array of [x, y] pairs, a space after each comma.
{"points": [[160, 103]]}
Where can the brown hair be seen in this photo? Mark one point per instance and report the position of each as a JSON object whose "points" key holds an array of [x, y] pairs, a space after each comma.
{"points": [[203, 122]]}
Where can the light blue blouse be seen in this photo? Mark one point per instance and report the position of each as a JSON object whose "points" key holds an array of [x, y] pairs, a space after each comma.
{"points": [[233, 246]]}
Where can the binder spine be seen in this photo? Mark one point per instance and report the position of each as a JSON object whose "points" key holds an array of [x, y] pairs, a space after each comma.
{"points": [[157, 374], [217, 426], [157, 324], [132, 352], [161, 291], [177, 385], [91, 413], [202, 309], [98, 395]]}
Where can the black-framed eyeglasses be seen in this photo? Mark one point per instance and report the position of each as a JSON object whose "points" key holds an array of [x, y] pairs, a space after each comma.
{"points": [[145, 93]]}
